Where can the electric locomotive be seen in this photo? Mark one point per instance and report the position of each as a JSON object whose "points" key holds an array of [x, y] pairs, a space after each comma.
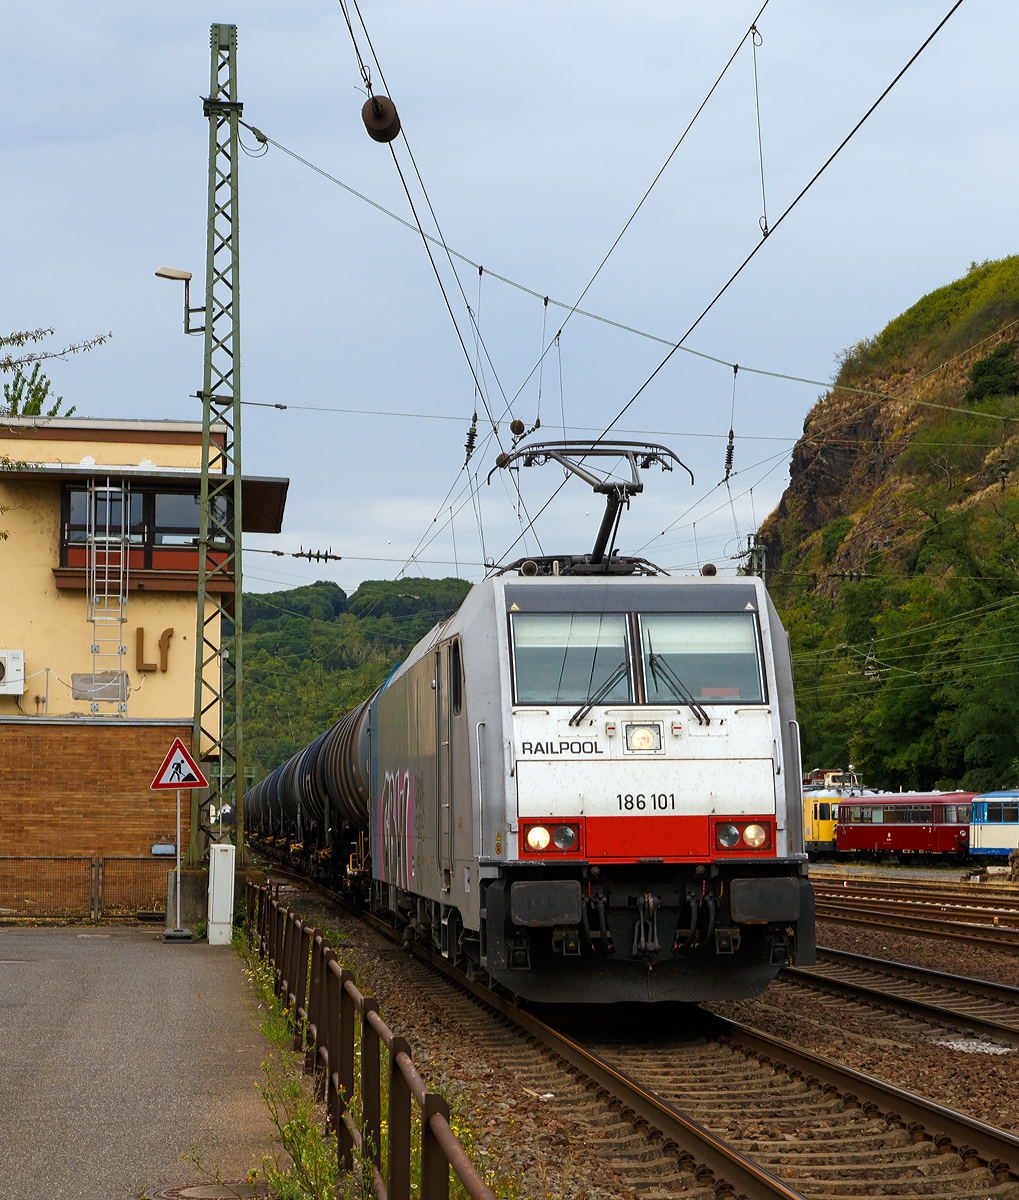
{"points": [[584, 786]]}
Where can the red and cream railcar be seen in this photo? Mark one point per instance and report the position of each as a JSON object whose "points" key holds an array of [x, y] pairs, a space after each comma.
{"points": [[906, 823]]}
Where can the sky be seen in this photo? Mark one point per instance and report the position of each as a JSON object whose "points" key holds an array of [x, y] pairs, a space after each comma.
{"points": [[536, 129]]}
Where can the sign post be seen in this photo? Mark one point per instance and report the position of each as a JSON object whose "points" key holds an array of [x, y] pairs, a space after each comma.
{"points": [[179, 770]]}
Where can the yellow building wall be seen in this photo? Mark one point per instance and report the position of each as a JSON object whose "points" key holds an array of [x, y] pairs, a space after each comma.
{"points": [[51, 451], [50, 624]]}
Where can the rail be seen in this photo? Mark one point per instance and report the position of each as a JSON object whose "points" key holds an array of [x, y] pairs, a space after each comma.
{"points": [[326, 1004]]}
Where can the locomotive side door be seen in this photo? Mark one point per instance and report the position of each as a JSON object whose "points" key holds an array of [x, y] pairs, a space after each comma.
{"points": [[450, 749], [443, 767]]}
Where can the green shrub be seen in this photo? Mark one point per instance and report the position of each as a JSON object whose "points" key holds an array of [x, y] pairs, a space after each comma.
{"points": [[995, 375], [833, 535]]}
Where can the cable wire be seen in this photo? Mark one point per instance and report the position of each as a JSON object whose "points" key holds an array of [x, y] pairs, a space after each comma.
{"points": [[814, 178]]}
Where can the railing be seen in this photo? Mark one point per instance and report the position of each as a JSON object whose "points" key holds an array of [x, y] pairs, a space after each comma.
{"points": [[325, 1001], [48, 886], [132, 882], [80, 887]]}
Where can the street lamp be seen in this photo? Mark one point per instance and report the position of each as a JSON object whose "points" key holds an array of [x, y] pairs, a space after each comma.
{"points": [[174, 273]]}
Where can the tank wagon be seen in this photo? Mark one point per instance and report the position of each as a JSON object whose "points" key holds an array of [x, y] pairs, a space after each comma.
{"points": [[583, 786]]}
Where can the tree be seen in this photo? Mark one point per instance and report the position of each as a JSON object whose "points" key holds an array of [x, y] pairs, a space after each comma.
{"points": [[26, 394], [36, 385]]}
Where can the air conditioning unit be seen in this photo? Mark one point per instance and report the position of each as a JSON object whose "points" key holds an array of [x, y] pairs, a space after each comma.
{"points": [[12, 672]]}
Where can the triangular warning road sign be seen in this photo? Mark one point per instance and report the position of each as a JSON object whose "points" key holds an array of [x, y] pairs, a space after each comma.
{"points": [[179, 770]]}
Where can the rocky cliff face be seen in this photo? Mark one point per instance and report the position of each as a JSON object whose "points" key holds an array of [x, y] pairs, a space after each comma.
{"points": [[853, 464]]}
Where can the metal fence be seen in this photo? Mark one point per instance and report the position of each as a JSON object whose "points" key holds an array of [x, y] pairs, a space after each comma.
{"points": [[131, 884], [326, 1003], [80, 887], [47, 886]]}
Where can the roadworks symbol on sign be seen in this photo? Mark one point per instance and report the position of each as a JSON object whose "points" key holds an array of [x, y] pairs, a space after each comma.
{"points": [[179, 770]]}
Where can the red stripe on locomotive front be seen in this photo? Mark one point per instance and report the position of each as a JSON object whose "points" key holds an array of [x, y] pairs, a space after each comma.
{"points": [[631, 838]]}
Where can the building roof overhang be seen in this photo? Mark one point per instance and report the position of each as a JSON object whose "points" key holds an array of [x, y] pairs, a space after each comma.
{"points": [[263, 498]]}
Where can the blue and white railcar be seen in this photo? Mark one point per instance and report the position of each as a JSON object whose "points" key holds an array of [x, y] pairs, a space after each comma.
{"points": [[995, 825]]}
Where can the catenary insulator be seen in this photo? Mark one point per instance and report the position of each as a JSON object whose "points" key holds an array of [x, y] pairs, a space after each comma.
{"points": [[516, 428], [380, 118]]}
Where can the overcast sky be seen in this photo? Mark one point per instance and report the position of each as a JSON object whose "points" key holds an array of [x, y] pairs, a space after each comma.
{"points": [[537, 128]]}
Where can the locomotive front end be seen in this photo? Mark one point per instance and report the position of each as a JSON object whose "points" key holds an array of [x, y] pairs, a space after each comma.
{"points": [[649, 844]]}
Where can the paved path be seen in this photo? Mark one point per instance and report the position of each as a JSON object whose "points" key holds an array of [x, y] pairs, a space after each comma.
{"points": [[117, 1052]]}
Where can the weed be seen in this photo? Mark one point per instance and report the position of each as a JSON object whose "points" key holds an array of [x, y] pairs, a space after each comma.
{"points": [[311, 1173]]}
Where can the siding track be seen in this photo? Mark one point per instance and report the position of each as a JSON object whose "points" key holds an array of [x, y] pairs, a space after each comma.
{"points": [[677, 1099]]}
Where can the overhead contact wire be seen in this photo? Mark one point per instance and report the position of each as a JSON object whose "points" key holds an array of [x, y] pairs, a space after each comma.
{"points": [[814, 178]]}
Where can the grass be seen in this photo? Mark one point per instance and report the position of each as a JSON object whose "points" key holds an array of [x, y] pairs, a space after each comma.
{"points": [[302, 1161]]}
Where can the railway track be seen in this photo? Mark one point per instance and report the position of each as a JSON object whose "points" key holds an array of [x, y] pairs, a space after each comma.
{"points": [[978, 918], [721, 1109], [970, 1007]]}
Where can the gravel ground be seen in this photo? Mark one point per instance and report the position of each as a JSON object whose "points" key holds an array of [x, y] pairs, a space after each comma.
{"points": [[935, 953], [534, 1124], [548, 1144], [903, 1052], [954, 873]]}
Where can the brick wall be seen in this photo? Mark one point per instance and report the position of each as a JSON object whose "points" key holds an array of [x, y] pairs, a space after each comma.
{"points": [[82, 787]]}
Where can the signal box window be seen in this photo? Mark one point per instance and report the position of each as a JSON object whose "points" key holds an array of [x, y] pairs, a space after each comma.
{"points": [[162, 526], [565, 658], [714, 656]]}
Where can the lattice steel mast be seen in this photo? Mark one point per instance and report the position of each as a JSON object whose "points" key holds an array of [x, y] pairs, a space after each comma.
{"points": [[218, 724]]}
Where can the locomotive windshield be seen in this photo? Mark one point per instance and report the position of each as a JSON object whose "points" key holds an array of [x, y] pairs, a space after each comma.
{"points": [[698, 658], [714, 654], [563, 658]]}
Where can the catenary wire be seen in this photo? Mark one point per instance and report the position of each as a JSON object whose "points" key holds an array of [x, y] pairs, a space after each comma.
{"points": [[810, 183]]}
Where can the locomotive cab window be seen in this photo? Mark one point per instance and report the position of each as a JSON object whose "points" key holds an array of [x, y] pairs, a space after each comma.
{"points": [[965, 814], [565, 658], [714, 657], [825, 812]]}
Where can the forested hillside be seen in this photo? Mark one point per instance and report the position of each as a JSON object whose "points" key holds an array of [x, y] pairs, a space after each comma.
{"points": [[311, 653], [893, 555], [893, 558]]}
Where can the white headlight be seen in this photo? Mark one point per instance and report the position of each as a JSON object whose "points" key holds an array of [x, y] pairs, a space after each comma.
{"points": [[755, 836], [538, 837]]}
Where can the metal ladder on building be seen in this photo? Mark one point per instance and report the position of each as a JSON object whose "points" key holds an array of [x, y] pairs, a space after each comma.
{"points": [[107, 566]]}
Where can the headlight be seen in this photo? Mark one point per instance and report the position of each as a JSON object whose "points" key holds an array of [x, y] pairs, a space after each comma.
{"points": [[538, 837], [755, 836], [565, 837], [643, 737], [727, 836]]}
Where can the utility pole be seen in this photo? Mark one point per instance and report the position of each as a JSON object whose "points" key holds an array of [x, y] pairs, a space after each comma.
{"points": [[219, 667]]}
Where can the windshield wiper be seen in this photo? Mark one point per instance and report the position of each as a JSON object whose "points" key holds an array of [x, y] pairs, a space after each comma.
{"points": [[600, 694], [682, 693]]}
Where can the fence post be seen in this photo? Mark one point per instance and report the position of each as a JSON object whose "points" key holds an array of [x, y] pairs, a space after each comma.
{"points": [[434, 1167], [331, 1033], [316, 1008], [286, 970], [345, 1073], [300, 973], [399, 1123], [279, 932], [371, 1098]]}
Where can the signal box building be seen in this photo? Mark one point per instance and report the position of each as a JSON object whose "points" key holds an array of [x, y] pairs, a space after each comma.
{"points": [[99, 583]]}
